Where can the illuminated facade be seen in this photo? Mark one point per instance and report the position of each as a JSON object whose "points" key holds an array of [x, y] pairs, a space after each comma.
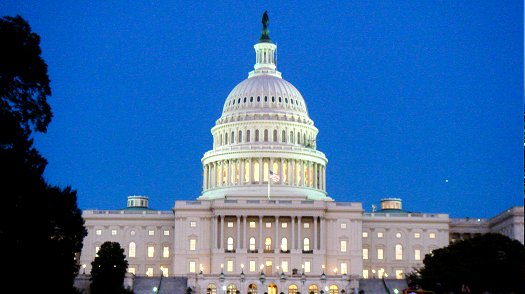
{"points": [[264, 221]]}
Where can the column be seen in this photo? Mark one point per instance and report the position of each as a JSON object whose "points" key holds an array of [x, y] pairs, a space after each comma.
{"points": [[228, 172], [214, 232], [241, 172], [238, 233], [244, 232], [260, 234], [322, 231], [220, 172], [315, 234], [299, 241], [324, 178], [276, 242], [261, 175], [292, 246], [204, 174], [221, 229], [315, 175], [281, 171]]}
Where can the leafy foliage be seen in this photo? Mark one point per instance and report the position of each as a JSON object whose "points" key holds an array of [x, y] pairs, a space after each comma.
{"points": [[491, 262], [43, 220], [109, 269]]}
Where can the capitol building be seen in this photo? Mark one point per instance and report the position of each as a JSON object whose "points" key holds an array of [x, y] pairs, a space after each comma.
{"points": [[264, 221]]}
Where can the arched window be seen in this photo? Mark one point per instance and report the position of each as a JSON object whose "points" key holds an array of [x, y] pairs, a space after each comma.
{"points": [[220, 139], [265, 135], [312, 289], [399, 252], [306, 244], [268, 244], [333, 289], [292, 289], [229, 245], [211, 289], [252, 289], [240, 137], [232, 289], [298, 138], [284, 245], [283, 136], [233, 137], [132, 249], [252, 244], [225, 138], [256, 135], [291, 137], [275, 135], [248, 136], [256, 171]]}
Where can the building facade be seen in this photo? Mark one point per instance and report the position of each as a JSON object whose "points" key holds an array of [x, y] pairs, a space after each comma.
{"points": [[264, 221]]}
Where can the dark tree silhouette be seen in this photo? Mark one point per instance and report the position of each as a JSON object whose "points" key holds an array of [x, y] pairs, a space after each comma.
{"points": [[43, 229], [108, 269], [491, 262]]}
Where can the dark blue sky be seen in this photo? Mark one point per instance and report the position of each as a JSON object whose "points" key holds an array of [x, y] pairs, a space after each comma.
{"points": [[406, 95]]}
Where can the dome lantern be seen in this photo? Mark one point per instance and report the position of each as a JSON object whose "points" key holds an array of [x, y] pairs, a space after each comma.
{"points": [[265, 61]]}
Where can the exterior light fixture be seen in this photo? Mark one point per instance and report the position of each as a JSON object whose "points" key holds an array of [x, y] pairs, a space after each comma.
{"points": [[221, 275], [242, 273], [84, 269]]}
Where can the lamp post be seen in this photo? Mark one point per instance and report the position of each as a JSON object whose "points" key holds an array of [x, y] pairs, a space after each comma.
{"points": [[221, 275], [84, 269], [242, 272], [262, 278]]}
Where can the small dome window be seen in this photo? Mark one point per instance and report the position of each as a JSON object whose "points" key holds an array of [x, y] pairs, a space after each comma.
{"points": [[291, 100], [239, 101], [258, 98], [244, 99], [280, 100], [233, 101], [273, 99], [265, 98], [251, 99], [286, 100]]}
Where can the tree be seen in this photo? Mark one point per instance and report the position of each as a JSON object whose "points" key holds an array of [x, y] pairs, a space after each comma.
{"points": [[109, 269], [43, 231], [491, 262]]}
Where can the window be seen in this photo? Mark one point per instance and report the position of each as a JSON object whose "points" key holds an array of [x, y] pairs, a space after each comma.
{"points": [[151, 233], [306, 225], [248, 136], [164, 270], [307, 266], [229, 266], [193, 244], [256, 135], [192, 266], [252, 244], [365, 234], [333, 289], [252, 225], [113, 232], [343, 226], [98, 232], [365, 274], [343, 246], [398, 235], [283, 136], [230, 224], [151, 251], [240, 132], [344, 268], [97, 248], [252, 265], [365, 253], [232, 289], [193, 224], [284, 266], [284, 225], [268, 244], [275, 135], [399, 274], [166, 232], [380, 253], [211, 289], [292, 289], [166, 251], [268, 225], [229, 245], [399, 252], [132, 270], [417, 235], [432, 235], [132, 249], [132, 233], [417, 254], [306, 244], [149, 272], [380, 234], [284, 244]]}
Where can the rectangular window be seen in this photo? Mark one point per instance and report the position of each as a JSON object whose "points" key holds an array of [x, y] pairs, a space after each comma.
{"points": [[193, 266], [113, 232], [149, 272], [380, 234], [252, 225], [132, 270], [343, 226], [151, 251], [193, 224], [96, 250], [365, 253], [284, 266], [230, 224], [164, 270], [307, 266], [229, 266], [432, 235], [284, 225], [380, 253], [252, 266], [417, 235], [151, 233], [343, 245], [193, 244], [399, 274], [365, 234], [166, 232], [417, 254], [306, 225], [344, 268], [268, 225], [365, 274], [166, 251], [98, 232]]}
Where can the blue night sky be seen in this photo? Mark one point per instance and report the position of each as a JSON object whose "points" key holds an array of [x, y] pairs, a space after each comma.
{"points": [[421, 100]]}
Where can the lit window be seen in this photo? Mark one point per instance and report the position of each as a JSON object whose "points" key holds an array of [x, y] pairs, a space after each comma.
{"points": [[132, 249], [398, 235], [193, 224], [252, 265], [268, 225], [97, 248], [380, 234], [380, 253], [399, 252], [229, 244], [417, 235], [417, 254], [164, 271], [284, 225], [149, 272], [344, 268], [166, 232], [284, 266], [432, 235], [151, 251], [268, 244], [98, 232], [151, 233], [229, 266], [284, 244], [343, 245], [365, 274], [252, 244], [343, 226], [306, 225], [365, 253], [365, 234], [193, 244], [166, 251], [132, 270], [193, 266], [307, 266], [306, 244], [113, 232], [230, 224], [252, 225], [399, 274]]}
